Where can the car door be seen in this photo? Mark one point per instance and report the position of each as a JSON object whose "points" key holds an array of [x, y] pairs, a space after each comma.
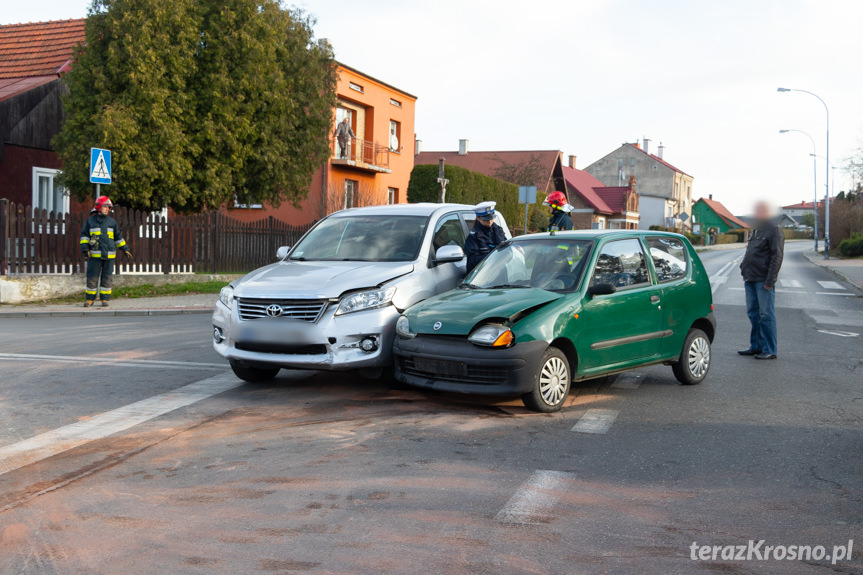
{"points": [[671, 264], [624, 328], [449, 230]]}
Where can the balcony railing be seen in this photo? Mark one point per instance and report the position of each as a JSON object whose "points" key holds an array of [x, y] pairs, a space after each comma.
{"points": [[362, 154]]}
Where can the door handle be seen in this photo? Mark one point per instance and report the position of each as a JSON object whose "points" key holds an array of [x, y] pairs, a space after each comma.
{"points": [[654, 299]]}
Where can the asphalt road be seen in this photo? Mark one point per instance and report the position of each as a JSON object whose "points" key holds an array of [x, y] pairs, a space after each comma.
{"points": [[126, 446]]}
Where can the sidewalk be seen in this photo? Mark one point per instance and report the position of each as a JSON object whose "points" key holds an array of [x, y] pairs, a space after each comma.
{"points": [[168, 305], [849, 270]]}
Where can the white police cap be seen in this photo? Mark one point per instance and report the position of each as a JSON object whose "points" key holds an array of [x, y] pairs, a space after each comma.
{"points": [[485, 210]]}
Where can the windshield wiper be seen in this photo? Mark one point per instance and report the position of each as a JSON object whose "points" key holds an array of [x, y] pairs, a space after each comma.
{"points": [[466, 285], [503, 286]]}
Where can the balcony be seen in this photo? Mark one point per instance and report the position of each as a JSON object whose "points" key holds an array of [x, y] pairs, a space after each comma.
{"points": [[362, 155]]}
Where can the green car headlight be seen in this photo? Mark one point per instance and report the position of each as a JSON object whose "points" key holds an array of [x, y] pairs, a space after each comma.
{"points": [[403, 327], [363, 300], [492, 335]]}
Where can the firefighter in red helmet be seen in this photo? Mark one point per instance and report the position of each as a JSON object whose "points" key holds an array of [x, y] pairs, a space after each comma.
{"points": [[560, 208], [100, 240]]}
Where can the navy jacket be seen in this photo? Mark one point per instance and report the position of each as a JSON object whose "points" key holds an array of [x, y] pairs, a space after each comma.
{"points": [[480, 242], [560, 221], [764, 253]]}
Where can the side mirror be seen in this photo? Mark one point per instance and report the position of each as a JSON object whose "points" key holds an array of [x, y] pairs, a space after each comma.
{"points": [[282, 252], [601, 289], [447, 254]]}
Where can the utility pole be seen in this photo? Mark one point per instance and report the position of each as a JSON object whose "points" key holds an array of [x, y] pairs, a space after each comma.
{"points": [[442, 182]]}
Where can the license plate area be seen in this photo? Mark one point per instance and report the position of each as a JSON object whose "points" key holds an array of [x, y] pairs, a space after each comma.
{"points": [[441, 367]]}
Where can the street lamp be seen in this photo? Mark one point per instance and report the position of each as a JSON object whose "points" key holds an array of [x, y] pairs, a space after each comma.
{"points": [[814, 180], [826, 171]]}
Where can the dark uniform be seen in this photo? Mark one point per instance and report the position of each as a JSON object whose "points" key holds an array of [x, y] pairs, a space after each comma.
{"points": [[560, 222], [100, 239], [481, 241]]}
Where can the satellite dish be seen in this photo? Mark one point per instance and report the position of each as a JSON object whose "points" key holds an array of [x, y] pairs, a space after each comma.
{"points": [[394, 142]]}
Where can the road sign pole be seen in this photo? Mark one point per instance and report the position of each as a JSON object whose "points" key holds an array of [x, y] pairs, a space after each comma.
{"points": [[98, 191]]}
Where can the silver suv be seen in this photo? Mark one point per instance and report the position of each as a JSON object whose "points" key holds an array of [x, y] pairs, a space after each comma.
{"points": [[332, 301]]}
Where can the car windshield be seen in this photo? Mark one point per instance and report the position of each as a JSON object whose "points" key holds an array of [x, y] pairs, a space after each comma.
{"points": [[363, 239], [550, 264]]}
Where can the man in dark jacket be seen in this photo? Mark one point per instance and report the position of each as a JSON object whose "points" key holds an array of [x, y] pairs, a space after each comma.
{"points": [[760, 268], [100, 240], [560, 221], [485, 235], [344, 133]]}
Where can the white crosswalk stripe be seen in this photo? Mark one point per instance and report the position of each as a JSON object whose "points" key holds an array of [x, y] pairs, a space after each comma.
{"points": [[831, 285], [596, 421], [533, 503], [791, 283]]}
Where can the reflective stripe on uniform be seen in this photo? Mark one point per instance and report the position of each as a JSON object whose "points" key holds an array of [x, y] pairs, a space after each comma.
{"points": [[90, 292], [95, 254], [121, 243], [95, 232], [104, 290], [112, 255], [85, 240], [111, 234]]}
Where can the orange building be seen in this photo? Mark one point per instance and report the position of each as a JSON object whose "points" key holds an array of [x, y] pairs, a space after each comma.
{"points": [[376, 165]]}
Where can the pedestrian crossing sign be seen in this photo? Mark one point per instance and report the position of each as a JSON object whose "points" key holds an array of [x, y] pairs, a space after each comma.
{"points": [[100, 166]]}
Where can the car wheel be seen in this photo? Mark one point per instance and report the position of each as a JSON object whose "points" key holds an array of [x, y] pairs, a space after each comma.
{"points": [[254, 374], [694, 362], [551, 383]]}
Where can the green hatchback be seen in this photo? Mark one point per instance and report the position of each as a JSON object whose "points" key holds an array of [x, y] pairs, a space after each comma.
{"points": [[544, 310]]}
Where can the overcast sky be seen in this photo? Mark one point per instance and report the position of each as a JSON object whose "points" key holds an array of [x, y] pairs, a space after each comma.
{"points": [[583, 76]]}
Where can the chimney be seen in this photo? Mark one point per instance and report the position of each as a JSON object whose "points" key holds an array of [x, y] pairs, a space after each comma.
{"points": [[572, 162], [710, 196], [463, 146], [646, 146], [632, 184], [418, 147], [661, 150]]}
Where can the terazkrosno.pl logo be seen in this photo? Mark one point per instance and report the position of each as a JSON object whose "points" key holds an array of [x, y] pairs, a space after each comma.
{"points": [[760, 551]]}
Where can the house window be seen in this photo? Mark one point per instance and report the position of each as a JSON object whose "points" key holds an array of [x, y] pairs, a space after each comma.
{"points": [[675, 190], [357, 88], [395, 135], [631, 162], [392, 194], [395, 103], [47, 193], [351, 187]]}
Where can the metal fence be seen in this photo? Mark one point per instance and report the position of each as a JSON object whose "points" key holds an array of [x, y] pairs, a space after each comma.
{"points": [[42, 242]]}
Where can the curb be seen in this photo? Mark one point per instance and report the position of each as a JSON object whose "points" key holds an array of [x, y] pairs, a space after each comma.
{"points": [[100, 312], [815, 258]]}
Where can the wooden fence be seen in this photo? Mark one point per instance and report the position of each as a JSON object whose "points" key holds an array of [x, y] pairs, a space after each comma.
{"points": [[41, 242]]}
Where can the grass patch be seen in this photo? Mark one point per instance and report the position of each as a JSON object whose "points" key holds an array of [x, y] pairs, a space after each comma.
{"points": [[149, 290]]}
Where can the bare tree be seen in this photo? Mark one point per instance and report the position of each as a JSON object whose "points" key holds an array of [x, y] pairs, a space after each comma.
{"points": [[530, 172], [361, 195]]}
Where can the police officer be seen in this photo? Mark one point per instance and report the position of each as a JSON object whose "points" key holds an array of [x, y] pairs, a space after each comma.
{"points": [[560, 208], [485, 235], [100, 240]]}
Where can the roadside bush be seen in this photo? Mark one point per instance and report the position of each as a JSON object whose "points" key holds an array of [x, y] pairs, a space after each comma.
{"points": [[693, 239], [727, 238], [467, 187], [792, 234], [852, 247]]}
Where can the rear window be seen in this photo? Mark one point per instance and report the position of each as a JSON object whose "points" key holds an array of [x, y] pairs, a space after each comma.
{"points": [[669, 258]]}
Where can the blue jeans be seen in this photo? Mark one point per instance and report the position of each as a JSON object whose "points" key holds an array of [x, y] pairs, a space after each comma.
{"points": [[760, 307]]}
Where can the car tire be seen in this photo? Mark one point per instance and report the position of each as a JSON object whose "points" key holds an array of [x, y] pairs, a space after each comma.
{"points": [[694, 362], [254, 374], [552, 381]]}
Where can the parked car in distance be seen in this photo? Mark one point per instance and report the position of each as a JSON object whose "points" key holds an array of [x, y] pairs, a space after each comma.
{"points": [[332, 301], [545, 310]]}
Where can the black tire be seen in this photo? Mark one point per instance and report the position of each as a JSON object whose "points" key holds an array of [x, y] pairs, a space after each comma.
{"points": [[254, 374], [694, 362], [552, 381]]}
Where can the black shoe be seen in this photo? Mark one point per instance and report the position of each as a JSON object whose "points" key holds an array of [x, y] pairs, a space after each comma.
{"points": [[749, 352], [104, 303], [766, 356], [88, 303]]}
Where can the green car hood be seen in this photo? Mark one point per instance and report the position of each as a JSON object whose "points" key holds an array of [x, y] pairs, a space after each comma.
{"points": [[458, 311]]}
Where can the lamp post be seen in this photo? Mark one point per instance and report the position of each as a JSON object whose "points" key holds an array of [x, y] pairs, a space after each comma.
{"points": [[814, 180], [826, 171]]}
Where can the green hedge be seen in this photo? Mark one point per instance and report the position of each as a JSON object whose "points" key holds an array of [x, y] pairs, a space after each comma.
{"points": [[852, 247], [467, 187]]}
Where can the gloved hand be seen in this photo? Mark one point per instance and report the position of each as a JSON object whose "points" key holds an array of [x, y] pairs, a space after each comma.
{"points": [[128, 254], [86, 255]]}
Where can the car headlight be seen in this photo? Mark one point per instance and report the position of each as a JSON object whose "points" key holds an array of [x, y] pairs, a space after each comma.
{"points": [[364, 300], [492, 335], [226, 296], [403, 327]]}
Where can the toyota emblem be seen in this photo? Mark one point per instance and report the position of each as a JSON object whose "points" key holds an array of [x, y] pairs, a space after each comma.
{"points": [[437, 325], [274, 310]]}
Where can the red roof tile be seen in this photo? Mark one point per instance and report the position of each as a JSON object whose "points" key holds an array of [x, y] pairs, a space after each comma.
{"points": [[723, 213], [488, 163], [802, 206], [615, 198], [13, 86], [39, 48], [585, 186]]}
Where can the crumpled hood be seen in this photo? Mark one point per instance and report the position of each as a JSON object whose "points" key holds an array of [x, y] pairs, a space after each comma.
{"points": [[317, 280], [461, 309]]}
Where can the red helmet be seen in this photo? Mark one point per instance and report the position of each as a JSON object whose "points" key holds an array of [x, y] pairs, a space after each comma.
{"points": [[555, 200], [103, 201]]}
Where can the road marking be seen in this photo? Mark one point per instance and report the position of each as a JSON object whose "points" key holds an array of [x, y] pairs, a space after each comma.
{"points": [[596, 421], [834, 293], [791, 283], [627, 381], [50, 443], [839, 333], [831, 285], [112, 361], [534, 501], [721, 276]]}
